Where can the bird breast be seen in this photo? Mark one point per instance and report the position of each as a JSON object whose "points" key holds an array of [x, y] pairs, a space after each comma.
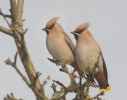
{"points": [[58, 48]]}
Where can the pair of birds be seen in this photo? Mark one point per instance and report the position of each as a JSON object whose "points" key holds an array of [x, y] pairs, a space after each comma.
{"points": [[85, 58]]}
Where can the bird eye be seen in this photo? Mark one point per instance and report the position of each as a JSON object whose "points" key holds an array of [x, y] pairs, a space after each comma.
{"points": [[51, 26]]}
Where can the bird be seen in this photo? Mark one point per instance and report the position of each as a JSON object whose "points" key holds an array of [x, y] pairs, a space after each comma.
{"points": [[60, 45], [89, 57]]}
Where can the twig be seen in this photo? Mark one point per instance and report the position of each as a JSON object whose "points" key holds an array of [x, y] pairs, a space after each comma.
{"points": [[15, 59], [45, 81], [22, 35], [97, 96], [87, 87], [38, 74], [9, 62], [59, 83], [71, 75], [11, 97], [1, 13], [4, 16], [25, 31], [65, 69], [54, 87]]}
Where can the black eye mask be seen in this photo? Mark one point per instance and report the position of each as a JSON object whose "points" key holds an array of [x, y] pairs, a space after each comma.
{"points": [[80, 31], [76, 36]]}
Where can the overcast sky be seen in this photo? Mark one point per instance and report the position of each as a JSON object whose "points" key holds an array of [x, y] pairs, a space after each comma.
{"points": [[108, 25]]}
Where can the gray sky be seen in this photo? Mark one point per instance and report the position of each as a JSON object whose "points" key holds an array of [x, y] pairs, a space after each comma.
{"points": [[108, 20]]}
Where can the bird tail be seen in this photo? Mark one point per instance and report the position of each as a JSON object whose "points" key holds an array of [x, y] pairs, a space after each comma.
{"points": [[103, 84], [76, 67], [105, 90]]}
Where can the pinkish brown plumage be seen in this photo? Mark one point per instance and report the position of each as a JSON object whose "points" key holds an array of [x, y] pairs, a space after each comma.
{"points": [[88, 53]]}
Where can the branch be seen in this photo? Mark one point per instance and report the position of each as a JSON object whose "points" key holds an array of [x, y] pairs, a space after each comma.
{"points": [[9, 62], [18, 35], [97, 96], [1, 13], [54, 87], [6, 31], [45, 81], [13, 10], [4, 16], [59, 83], [15, 58], [20, 8], [38, 74], [8, 16], [11, 97], [64, 69], [13, 64]]}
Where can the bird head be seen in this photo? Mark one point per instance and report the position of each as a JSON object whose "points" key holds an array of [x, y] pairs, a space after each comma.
{"points": [[79, 30], [50, 24]]}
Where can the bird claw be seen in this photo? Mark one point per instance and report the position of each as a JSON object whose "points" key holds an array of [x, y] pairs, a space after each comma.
{"points": [[54, 61]]}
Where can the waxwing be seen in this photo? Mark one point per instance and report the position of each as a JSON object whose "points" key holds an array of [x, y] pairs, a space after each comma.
{"points": [[59, 44], [89, 57]]}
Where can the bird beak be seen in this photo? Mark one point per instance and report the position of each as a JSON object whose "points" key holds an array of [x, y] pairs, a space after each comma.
{"points": [[44, 29], [74, 33]]}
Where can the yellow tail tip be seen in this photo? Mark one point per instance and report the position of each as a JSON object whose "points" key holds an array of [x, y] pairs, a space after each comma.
{"points": [[105, 90]]}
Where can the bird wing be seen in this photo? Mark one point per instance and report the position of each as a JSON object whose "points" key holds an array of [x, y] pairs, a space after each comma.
{"points": [[69, 42], [104, 66], [105, 69]]}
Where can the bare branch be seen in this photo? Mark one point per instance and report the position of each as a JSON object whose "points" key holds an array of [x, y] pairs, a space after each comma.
{"points": [[6, 31], [59, 83], [1, 13], [15, 60], [54, 87], [97, 96], [20, 8], [13, 9], [9, 62], [11, 97], [6, 16], [25, 31], [38, 74], [71, 75], [45, 81], [22, 35], [87, 87]]}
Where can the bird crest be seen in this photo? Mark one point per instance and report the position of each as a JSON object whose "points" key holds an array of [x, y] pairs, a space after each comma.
{"points": [[52, 22], [81, 27]]}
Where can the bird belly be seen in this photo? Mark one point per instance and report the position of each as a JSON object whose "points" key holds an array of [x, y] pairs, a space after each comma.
{"points": [[60, 50], [86, 58]]}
